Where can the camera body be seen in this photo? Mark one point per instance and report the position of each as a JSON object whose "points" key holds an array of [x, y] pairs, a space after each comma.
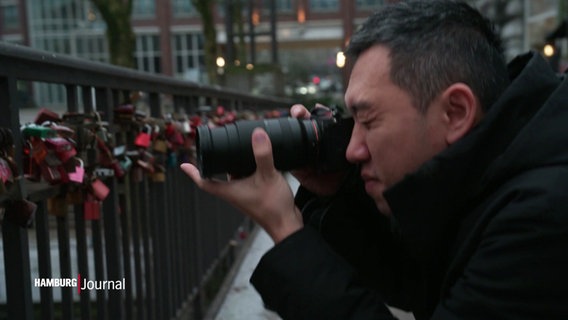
{"points": [[319, 142]]}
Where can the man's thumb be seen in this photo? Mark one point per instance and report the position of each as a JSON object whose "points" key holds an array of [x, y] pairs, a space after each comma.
{"points": [[262, 149]]}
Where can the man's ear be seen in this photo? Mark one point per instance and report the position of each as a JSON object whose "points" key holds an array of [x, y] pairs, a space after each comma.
{"points": [[462, 111]]}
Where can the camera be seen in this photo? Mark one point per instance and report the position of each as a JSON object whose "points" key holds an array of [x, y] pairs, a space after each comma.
{"points": [[320, 142]]}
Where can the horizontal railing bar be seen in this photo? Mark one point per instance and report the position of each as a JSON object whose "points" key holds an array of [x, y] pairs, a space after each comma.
{"points": [[25, 63]]}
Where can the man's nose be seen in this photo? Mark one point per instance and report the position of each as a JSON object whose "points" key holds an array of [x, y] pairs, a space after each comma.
{"points": [[357, 150]]}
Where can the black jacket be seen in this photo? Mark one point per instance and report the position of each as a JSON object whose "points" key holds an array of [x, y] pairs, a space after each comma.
{"points": [[478, 232]]}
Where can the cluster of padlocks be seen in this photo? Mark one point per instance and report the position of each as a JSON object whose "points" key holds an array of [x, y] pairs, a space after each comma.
{"points": [[76, 153]]}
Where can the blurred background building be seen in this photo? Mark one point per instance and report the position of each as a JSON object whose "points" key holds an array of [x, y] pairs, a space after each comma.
{"points": [[529, 24], [295, 52]]}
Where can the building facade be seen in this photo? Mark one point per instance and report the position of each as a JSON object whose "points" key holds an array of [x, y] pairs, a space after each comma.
{"points": [[169, 37], [525, 24], [309, 34]]}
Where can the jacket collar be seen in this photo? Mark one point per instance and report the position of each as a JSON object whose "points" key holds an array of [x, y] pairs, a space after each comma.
{"points": [[428, 204]]}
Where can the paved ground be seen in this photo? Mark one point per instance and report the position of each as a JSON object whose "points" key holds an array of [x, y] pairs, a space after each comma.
{"points": [[242, 301]]}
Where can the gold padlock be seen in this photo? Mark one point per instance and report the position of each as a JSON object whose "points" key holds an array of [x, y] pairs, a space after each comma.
{"points": [[158, 176], [160, 146], [76, 196], [58, 206]]}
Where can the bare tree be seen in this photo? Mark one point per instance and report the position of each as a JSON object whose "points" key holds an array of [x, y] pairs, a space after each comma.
{"points": [[205, 9], [120, 35]]}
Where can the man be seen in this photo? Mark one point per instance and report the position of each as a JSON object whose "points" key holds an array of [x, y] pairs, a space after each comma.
{"points": [[466, 162]]}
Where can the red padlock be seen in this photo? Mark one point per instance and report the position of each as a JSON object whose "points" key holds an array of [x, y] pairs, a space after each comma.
{"points": [[117, 168], [63, 148], [51, 174], [143, 139], [99, 189], [91, 208]]}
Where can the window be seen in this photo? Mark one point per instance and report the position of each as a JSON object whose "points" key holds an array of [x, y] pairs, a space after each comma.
{"points": [[282, 6], [188, 54], [183, 8], [144, 8], [369, 4], [92, 46], [324, 5], [147, 53], [10, 16]]}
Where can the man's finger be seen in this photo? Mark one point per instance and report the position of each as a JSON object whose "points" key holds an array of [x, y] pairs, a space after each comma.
{"points": [[206, 185], [299, 111], [262, 149], [191, 171]]}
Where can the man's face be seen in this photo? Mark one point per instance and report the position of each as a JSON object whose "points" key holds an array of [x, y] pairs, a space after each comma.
{"points": [[391, 138]]}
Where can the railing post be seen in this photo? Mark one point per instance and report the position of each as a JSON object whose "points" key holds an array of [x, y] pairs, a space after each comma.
{"points": [[102, 310], [111, 210], [44, 259], [65, 266], [16, 247], [80, 228]]}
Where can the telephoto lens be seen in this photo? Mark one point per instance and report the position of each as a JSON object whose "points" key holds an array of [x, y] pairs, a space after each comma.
{"points": [[228, 149]]}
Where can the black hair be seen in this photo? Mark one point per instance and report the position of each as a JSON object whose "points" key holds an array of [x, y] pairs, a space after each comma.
{"points": [[434, 44]]}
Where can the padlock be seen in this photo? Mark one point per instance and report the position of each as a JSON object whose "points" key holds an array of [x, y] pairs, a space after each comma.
{"points": [[76, 196], [99, 189], [37, 131], [160, 145], [126, 163], [148, 167], [51, 174], [38, 150], [62, 148], [117, 168], [119, 151], [103, 172], [58, 206], [45, 114], [106, 156], [172, 160], [143, 139], [158, 177], [177, 139], [101, 130], [91, 208], [63, 174], [51, 159], [20, 212], [78, 175], [6, 174]]}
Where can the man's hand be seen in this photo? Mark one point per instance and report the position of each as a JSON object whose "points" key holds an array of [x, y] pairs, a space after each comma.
{"points": [[264, 196], [323, 184]]}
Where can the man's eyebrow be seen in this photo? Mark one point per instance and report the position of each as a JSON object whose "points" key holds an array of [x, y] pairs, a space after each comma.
{"points": [[357, 107]]}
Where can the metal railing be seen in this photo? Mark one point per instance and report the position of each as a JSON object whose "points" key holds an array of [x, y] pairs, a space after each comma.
{"points": [[167, 240]]}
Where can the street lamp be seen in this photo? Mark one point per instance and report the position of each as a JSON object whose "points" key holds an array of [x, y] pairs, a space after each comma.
{"points": [[548, 50], [220, 62], [340, 59], [551, 50]]}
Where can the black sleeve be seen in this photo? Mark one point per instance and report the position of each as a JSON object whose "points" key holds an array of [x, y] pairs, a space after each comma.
{"points": [[302, 278], [344, 264], [351, 225]]}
